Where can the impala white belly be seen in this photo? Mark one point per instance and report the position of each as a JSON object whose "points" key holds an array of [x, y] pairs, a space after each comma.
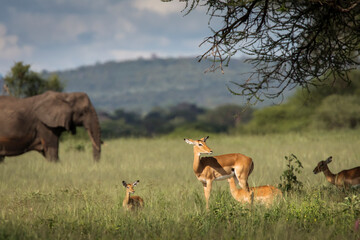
{"points": [[223, 177], [202, 180]]}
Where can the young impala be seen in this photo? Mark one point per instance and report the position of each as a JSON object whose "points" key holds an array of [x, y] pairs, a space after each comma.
{"points": [[345, 178], [131, 202], [262, 194], [208, 169]]}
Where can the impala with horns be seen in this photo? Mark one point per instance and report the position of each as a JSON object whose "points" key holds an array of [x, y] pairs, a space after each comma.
{"points": [[345, 178], [208, 169], [262, 194]]}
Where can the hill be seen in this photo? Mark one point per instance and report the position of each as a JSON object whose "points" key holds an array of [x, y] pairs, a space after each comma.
{"points": [[141, 85]]}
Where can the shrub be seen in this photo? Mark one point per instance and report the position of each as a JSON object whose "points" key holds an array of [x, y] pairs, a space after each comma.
{"points": [[279, 118], [116, 128], [289, 179], [338, 111]]}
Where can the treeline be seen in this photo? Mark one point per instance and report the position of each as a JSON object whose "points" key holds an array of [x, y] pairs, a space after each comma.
{"points": [[334, 105], [183, 117]]}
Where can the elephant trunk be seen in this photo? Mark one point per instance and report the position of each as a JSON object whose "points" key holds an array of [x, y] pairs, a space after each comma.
{"points": [[93, 128]]}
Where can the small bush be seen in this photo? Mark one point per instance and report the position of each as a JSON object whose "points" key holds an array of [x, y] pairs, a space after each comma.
{"points": [[289, 179]]}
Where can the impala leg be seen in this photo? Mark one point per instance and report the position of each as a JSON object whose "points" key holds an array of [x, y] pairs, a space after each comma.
{"points": [[207, 191]]}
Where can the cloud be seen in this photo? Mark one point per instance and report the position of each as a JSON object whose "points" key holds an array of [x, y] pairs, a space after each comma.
{"points": [[159, 7], [72, 26], [43, 28], [9, 47], [60, 34]]}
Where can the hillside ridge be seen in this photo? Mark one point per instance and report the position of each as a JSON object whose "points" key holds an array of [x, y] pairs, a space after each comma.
{"points": [[141, 85]]}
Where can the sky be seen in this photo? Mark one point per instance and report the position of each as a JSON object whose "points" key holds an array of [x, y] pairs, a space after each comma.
{"points": [[65, 34]]}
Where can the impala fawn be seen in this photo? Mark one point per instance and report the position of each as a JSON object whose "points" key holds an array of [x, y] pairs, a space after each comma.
{"points": [[208, 169], [262, 194], [131, 202], [345, 178]]}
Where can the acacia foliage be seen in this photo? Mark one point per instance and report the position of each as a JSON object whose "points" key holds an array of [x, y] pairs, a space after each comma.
{"points": [[289, 42]]}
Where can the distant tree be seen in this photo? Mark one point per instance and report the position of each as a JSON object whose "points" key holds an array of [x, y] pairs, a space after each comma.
{"points": [[22, 82], [289, 42], [53, 83], [187, 111], [128, 117], [119, 128], [156, 122], [229, 115]]}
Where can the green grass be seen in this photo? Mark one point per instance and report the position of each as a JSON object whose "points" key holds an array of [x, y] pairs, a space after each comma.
{"points": [[80, 199]]}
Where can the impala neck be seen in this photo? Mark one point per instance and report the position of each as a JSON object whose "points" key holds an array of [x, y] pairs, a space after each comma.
{"points": [[330, 177], [127, 197], [196, 164], [233, 188], [239, 194]]}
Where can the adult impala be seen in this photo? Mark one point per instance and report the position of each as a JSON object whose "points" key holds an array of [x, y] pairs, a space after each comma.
{"points": [[345, 178], [208, 169], [262, 194]]}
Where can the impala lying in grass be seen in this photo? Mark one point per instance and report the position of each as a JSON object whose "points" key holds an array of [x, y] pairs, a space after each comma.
{"points": [[208, 169], [262, 194], [131, 202], [345, 178]]}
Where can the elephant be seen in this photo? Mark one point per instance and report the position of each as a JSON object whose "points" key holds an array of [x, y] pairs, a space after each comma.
{"points": [[36, 123]]}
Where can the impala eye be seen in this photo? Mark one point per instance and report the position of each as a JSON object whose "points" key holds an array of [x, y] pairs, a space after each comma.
{"points": [[200, 145]]}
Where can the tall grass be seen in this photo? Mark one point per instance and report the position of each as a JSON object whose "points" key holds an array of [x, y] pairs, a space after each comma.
{"points": [[80, 199]]}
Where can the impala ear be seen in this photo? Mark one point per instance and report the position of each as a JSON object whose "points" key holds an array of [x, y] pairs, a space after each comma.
{"points": [[124, 183], [189, 141], [204, 138], [136, 182], [328, 160]]}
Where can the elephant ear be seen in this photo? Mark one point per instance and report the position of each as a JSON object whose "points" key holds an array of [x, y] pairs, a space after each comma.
{"points": [[52, 110]]}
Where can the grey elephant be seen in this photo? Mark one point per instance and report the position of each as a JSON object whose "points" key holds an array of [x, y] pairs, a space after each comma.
{"points": [[36, 123]]}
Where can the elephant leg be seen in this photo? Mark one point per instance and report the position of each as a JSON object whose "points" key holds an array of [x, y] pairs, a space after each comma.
{"points": [[49, 143], [51, 150]]}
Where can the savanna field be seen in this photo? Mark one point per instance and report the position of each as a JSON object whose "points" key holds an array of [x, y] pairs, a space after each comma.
{"points": [[81, 199]]}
